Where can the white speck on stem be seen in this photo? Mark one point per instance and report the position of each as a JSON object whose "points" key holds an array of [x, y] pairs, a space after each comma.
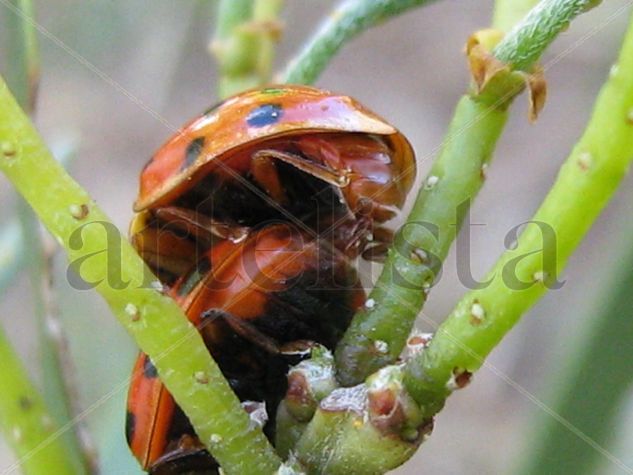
{"points": [[477, 312], [16, 433], [370, 303], [420, 255], [216, 438], [431, 182], [201, 377], [615, 68], [133, 312], [7, 149], [418, 339], [156, 285], [47, 422], [539, 276], [381, 346], [585, 160], [78, 211], [484, 169]]}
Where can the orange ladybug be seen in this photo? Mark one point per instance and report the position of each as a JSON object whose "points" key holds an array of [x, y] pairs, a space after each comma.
{"points": [[252, 215], [287, 152], [257, 304]]}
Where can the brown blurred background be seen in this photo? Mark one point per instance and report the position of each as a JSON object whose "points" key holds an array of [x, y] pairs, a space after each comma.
{"points": [[410, 70]]}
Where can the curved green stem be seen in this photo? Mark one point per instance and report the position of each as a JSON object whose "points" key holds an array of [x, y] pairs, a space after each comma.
{"points": [[586, 181], [440, 207], [104, 260], [25, 422], [246, 33], [524, 44], [348, 20]]}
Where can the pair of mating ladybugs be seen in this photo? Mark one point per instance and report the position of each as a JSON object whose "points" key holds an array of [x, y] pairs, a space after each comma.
{"points": [[252, 216]]}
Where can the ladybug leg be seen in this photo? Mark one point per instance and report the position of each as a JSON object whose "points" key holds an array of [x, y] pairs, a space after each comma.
{"points": [[243, 328], [382, 239], [265, 174], [166, 253], [337, 179], [200, 225], [188, 456]]}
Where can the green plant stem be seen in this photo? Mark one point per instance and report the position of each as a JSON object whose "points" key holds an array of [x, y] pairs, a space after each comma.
{"points": [[586, 181], [593, 382], [508, 12], [52, 343], [246, 32], [25, 422], [349, 19], [233, 51], [12, 250], [23, 80], [440, 207], [105, 260], [265, 14], [524, 44], [22, 53]]}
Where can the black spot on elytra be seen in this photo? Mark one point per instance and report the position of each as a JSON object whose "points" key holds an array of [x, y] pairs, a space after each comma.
{"points": [[130, 423], [149, 370], [266, 114], [193, 152]]}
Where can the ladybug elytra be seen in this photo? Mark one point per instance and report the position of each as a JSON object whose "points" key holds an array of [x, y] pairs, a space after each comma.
{"points": [[252, 215]]}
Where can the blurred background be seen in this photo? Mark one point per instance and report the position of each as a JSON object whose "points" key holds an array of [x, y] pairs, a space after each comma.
{"points": [[411, 70]]}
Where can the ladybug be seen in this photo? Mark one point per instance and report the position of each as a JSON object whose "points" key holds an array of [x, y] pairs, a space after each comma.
{"points": [[257, 303], [252, 215], [287, 152]]}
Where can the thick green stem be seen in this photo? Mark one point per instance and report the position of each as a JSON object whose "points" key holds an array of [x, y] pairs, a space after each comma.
{"points": [[25, 422], [244, 42], [106, 261], [440, 207], [368, 429], [401, 289], [586, 181], [349, 19]]}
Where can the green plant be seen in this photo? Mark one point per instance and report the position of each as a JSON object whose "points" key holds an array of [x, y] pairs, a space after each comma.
{"points": [[342, 441]]}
